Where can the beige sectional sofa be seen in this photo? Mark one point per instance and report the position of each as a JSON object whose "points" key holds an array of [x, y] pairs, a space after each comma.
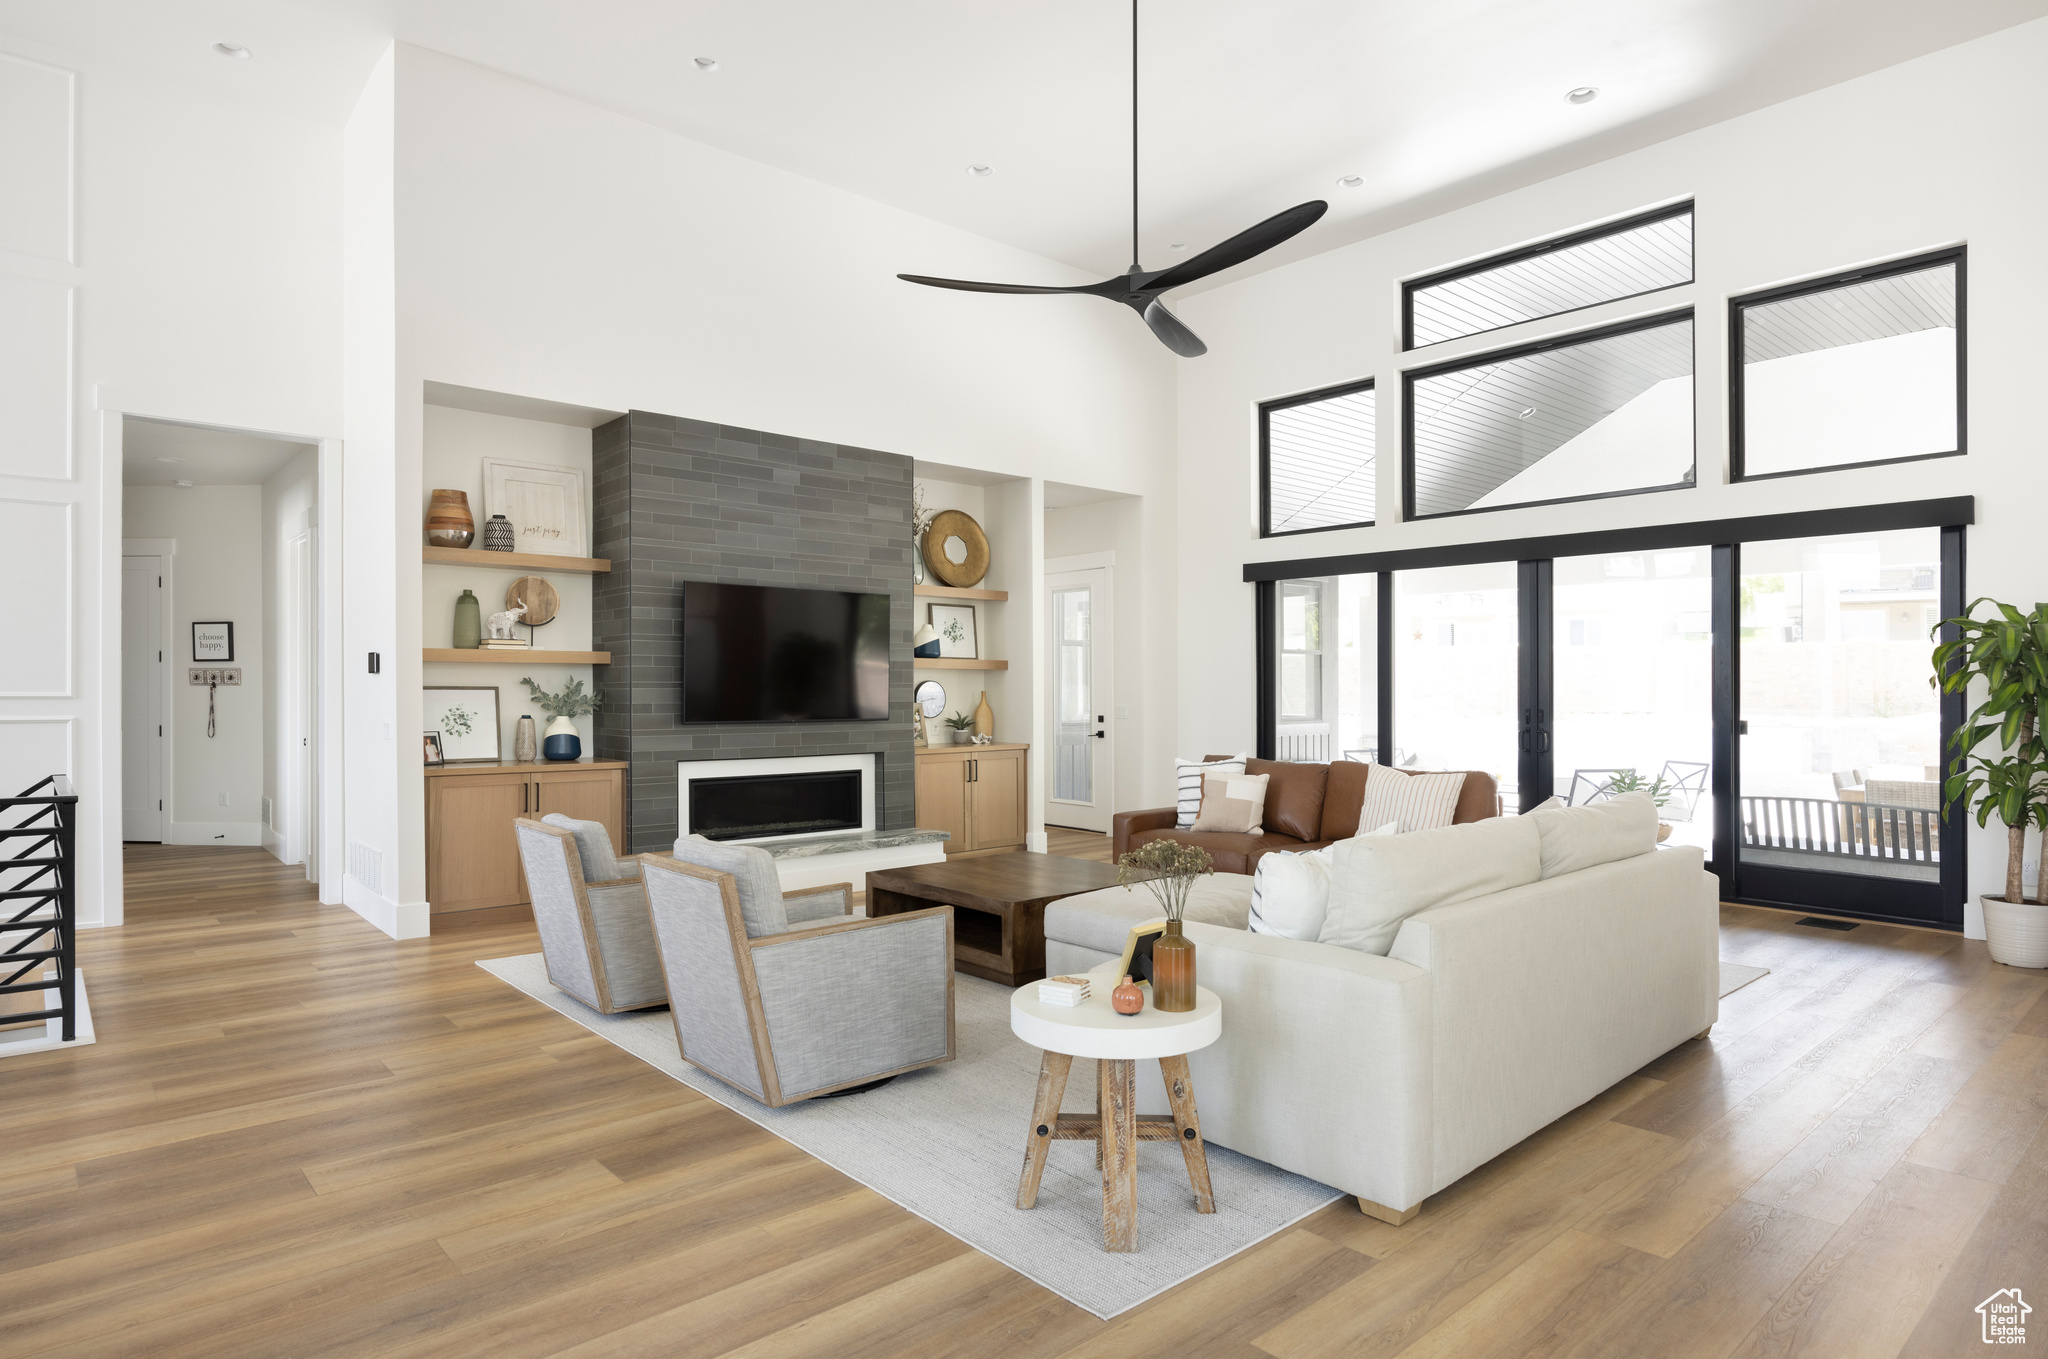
{"points": [[1391, 1077]]}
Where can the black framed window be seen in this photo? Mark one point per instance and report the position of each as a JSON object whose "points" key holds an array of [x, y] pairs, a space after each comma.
{"points": [[1860, 368], [1316, 460], [1642, 254], [1599, 413]]}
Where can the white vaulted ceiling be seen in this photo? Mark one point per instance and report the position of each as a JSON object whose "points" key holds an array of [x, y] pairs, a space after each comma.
{"points": [[1248, 107]]}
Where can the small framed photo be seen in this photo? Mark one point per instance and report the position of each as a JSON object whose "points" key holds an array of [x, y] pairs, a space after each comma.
{"points": [[955, 625], [432, 749], [1137, 960], [462, 722], [213, 642]]}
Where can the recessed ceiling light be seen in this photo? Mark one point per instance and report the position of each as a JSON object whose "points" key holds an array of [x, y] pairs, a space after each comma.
{"points": [[170, 459], [1525, 412], [1178, 245], [182, 482], [981, 171], [1585, 94], [1350, 182], [232, 49], [705, 63]]}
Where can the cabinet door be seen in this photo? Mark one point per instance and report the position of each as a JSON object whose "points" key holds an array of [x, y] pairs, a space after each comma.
{"points": [[942, 798], [995, 799], [586, 795], [472, 853]]}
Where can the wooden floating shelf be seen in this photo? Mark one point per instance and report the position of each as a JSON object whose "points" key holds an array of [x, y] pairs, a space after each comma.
{"points": [[957, 592], [954, 663], [441, 655], [516, 561]]}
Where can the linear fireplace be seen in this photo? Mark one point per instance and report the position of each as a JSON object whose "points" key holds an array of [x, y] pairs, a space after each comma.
{"points": [[755, 806], [775, 799]]}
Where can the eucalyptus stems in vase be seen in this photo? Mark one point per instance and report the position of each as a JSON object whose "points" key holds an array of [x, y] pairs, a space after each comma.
{"points": [[1168, 869]]}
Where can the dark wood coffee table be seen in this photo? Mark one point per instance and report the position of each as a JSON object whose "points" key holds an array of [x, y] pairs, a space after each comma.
{"points": [[998, 905]]}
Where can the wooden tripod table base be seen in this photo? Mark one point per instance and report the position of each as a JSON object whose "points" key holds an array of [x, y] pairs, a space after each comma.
{"points": [[1116, 1130]]}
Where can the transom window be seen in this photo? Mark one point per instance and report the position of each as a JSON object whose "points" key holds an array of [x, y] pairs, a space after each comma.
{"points": [[1316, 460]]}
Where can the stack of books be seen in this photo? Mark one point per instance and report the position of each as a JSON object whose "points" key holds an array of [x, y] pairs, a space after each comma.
{"points": [[1067, 991], [503, 644]]}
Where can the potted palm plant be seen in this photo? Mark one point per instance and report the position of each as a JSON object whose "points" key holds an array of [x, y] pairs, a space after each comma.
{"points": [[1997, 759]]}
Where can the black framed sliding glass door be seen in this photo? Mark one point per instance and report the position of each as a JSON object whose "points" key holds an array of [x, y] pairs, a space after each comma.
{"points": [[1770, 673]]}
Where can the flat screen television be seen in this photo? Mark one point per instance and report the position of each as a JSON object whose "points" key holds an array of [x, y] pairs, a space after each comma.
{"points": [[768, 653]]}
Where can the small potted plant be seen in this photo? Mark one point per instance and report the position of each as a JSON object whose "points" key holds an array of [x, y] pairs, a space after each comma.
{"points": [[2009, 652], [562, 741], [1628, 781], [1168, 869], [956, 728]]}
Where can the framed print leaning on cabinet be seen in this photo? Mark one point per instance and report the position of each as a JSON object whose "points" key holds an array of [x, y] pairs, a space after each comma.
{"points": [[466, 719]]}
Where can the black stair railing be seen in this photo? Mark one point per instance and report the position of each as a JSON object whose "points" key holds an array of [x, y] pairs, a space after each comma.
{"points": [[38, 909]]}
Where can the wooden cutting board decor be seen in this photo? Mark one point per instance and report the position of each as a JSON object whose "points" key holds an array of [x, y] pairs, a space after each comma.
{"points": [[541, 599]]}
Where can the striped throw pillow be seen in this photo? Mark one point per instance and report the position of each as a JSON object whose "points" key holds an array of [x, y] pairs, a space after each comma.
{"points": [[1188, 774], [1415, 801]]}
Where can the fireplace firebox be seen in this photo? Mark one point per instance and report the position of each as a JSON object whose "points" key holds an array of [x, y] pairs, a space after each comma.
{"points": [[758, 806]]}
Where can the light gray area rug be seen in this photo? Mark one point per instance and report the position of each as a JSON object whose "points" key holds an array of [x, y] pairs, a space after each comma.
{"points": [[1735, 976], [947, 1142]]}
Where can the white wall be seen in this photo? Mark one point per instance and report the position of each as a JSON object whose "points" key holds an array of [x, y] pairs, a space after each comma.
{"points": [[456, 443], [171, 254], [551, 249], [290, 500], [1939, 150], [218, 576]]}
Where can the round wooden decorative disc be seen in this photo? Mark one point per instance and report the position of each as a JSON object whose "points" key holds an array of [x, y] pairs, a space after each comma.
{"points": [[540, 598], [955, 527]]}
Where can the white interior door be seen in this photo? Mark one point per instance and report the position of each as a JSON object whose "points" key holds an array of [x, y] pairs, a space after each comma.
{"points": [[1079, 793], [298, 704], [142, 699]]}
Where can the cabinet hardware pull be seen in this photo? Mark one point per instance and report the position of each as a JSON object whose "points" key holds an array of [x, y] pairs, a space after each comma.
{"points": [[536, 796], [522, 798]]}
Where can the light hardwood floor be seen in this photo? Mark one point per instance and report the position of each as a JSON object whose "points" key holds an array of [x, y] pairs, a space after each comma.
{"points": [[296, 1137]]}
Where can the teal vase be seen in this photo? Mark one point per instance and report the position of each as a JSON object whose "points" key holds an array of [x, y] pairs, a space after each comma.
{"points": [[469, 622]]}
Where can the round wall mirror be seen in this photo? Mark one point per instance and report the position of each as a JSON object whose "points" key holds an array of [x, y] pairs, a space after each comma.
{"points": [[930, 697]]}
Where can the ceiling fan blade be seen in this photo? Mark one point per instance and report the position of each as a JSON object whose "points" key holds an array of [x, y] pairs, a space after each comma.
{"points": [[1172, 333], [1244, 245], [966, 286]]}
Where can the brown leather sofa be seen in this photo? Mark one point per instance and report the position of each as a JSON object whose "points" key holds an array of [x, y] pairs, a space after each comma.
{"points": [[1307, 806]]}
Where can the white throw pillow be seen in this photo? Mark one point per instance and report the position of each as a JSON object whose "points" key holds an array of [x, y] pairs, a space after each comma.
{"points": [[1584, 837], [1417, 801], [1378, 881], [1291, 890], [1188, 778]]}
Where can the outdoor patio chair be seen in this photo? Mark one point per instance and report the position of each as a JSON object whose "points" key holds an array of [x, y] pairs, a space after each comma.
{"points": [[1686, 783], [1595, 783]]}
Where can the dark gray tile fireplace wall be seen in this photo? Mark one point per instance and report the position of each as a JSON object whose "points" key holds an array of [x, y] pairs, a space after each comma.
{"points": [[681, 500]]}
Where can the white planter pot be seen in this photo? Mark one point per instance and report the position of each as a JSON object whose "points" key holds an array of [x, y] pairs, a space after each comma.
{"points": [[2016, 932]]}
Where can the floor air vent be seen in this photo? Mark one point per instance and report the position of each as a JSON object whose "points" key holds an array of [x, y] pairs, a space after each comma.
{"points": [[1821, 924]]}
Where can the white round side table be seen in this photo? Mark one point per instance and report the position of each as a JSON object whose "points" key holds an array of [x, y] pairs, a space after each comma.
{"points": [[1117, 1042]]}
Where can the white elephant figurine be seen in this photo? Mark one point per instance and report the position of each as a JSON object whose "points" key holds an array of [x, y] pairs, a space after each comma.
{"points": [[501, 623]]}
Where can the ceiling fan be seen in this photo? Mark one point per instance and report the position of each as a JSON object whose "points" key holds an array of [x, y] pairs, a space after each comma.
{"points": [[1139, 289]]}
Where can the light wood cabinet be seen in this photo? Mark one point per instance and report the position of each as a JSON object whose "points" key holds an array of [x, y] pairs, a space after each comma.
{"points": [[472, 854], [976, 794]]}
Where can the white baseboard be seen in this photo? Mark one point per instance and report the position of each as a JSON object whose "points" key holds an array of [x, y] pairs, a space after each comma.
{"points": [[822, 870], [245, 833], [407, 921], [51, 1035], [1035, 841], [1973, 917], [274, 842]]}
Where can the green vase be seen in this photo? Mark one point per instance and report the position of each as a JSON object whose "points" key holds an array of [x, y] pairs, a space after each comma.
{"points": [[469, 622]]}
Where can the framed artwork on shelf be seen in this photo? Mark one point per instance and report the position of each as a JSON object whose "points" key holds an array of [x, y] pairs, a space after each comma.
{"points": [[955, 625], [463, 721], [544, 504], [431, 749], [213, 641]]}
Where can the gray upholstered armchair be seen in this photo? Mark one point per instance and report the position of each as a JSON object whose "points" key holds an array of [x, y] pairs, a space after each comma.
{"points": [[789, 1013], [594, 931]]}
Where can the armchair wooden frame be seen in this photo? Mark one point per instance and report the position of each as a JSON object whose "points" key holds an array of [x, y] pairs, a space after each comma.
{"points": [[587, 920], [744, 948]]}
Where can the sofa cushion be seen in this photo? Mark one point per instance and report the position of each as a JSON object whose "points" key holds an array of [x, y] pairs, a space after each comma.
{"points": [[1102, 920], [1574, 838], [1187, 775], [1294, 796], [1291, 891], [1378, 881], [1233, 803], [1417, 801], [1343, 799], [1228, 853]]}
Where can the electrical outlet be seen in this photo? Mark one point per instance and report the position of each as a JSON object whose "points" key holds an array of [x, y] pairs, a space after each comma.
{"points": [[196, 676], [232, 676]]}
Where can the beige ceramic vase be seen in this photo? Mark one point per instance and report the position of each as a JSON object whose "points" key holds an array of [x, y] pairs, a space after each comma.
{"points": [[984, 718], [449, 523]]}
